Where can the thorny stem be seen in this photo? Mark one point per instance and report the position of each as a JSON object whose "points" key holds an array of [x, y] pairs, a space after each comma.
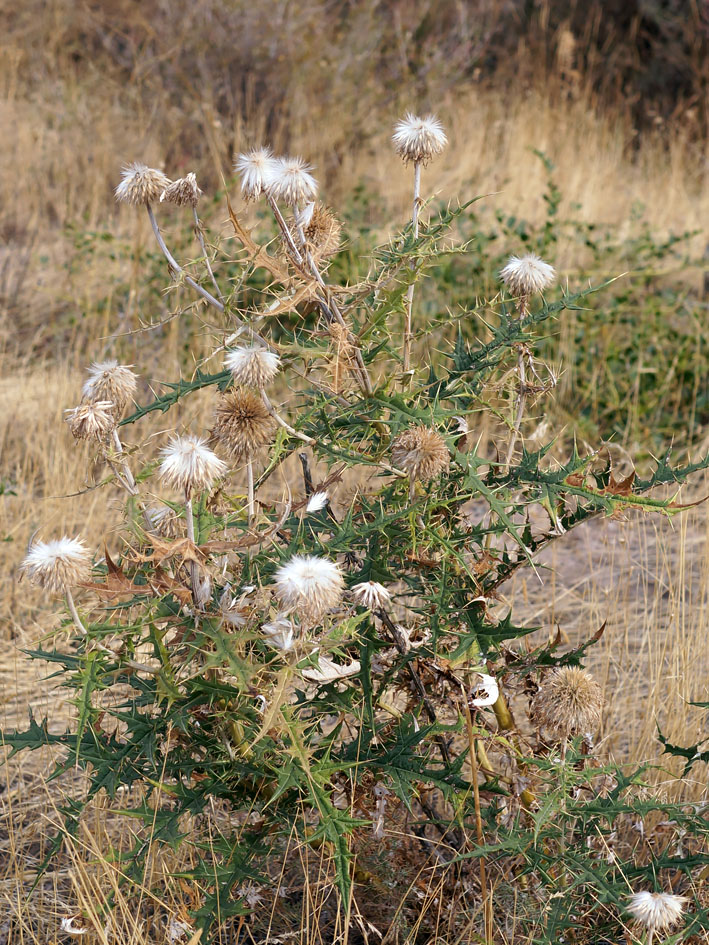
{"points": [[126, 476], [250, 488], [283, 423], [141, 667], [328, 306], [408, 334], [487, 904], [200, 237], [521, 398], [189, 518]]}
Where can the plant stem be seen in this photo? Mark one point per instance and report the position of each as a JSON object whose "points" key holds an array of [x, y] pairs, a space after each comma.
{"points": [[189, 517], [250, 487], [141, 667], [521, 398], [126, 478], [200, 237], [282, 423], [472, 753], [408, 333]]}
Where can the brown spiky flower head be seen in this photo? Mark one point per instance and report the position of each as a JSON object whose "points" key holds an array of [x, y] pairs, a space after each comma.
{"points": [[183, 192], [309, 585], [252, 367], [420, 451], [656, 911], [57, 565], [418, 139], [94, 420], [188, 464], [569, 702], [110, 381], [141, 184], [242, 424], [321, 229]]}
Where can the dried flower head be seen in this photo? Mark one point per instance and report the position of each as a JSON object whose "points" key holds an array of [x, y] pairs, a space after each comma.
{"points": [[189, 464], [289, 180], [309, 585], [141, 184], [242, 424], [58, 564], [164, 520], [184, 191], [328, 671], [110, 381], [256, 169], [569, 702], [371, 594], [253, 367], [421, 452], [280, 633], [656, 910], [94, 419], [322, 231], [418, 139], [527, 275]]}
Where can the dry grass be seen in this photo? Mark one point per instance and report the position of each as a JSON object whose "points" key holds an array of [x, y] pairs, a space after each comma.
{"points": [[60, 153]]}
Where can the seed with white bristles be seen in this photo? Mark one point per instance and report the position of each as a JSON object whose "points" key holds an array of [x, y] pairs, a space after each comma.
{"points": [[252, 367], [58, 564], [141, 184], [256, 169], [310, 585], [290, 180], [371, 594], [317, 502], [656, 910], [189, 464], [527, 275], [418, 139]]}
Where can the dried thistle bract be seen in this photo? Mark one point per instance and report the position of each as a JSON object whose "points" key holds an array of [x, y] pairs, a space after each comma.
{"points": [[242, 424], [183, 192], [568, 703], [421, 452], [94, 420], [141, 184], [58, 564]]}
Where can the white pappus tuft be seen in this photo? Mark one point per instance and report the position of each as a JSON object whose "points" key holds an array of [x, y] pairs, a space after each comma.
{"points": [[418, 139], [291, 181], [309, 585], [189, 464]]}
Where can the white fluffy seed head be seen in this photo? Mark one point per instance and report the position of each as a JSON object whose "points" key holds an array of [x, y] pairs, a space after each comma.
{"points": [[656, 910], [290, 181], [309, 585], [527, 275], [371, 594], [92, 420], [189, 464], [110, 381], [141, 184], [252, 367], [58, 564], [418, 139], [255, 168]]}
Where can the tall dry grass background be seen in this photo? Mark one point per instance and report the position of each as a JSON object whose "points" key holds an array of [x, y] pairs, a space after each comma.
{"points": [[78, 98]]}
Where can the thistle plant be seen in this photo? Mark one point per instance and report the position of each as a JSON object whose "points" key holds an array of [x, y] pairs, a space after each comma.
{"points": [[323, 664]]}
